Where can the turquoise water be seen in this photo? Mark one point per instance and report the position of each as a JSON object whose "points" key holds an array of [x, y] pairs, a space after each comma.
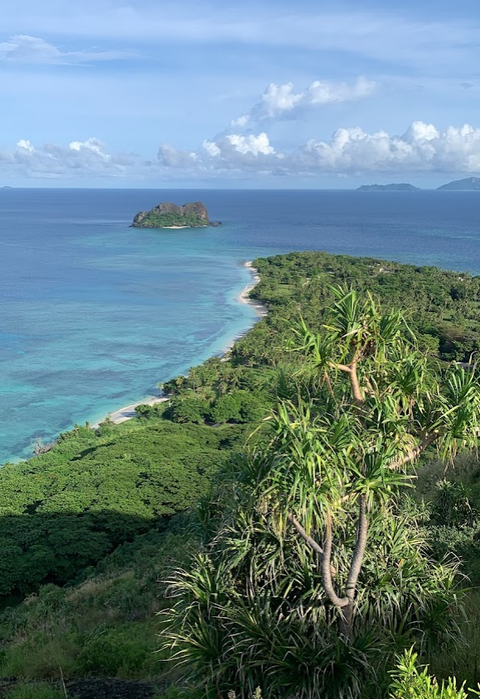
{"points": [[93, 314]]}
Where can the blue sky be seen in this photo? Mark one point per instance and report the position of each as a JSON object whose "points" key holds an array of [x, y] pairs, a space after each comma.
{"points": [[254, 94]]}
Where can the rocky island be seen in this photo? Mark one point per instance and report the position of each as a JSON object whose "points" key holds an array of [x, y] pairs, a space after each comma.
{"points": [[166, 215], [394, 187], [470, 184]]}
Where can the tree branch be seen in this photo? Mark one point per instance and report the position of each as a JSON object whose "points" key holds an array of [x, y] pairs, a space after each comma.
{"points": [[414, 453], [341, 367], [351, 369], [356, 390], [359, 551], [311, 542], [337, 601]]}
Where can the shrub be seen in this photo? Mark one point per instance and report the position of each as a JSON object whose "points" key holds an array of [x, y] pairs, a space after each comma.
{"points": [[226, 409], [411, 683], [189, 408]]}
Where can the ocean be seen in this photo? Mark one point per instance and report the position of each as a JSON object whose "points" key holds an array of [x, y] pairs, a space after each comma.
{"points": [[93, 313]]}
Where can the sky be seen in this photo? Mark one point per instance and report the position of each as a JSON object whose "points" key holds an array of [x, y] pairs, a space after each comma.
{"points": [[220, 94]]}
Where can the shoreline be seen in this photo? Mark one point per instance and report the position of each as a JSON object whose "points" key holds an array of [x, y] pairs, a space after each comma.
{"points": [[128, 411], [244, 296]]}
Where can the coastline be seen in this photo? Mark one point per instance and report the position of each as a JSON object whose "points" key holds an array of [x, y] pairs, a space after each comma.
{"points": [[244, 296], [128, 411]]}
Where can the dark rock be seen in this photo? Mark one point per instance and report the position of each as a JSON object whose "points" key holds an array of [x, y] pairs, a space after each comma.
{"points": [[93, 688]]}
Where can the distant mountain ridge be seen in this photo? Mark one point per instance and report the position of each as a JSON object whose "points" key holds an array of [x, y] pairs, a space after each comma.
{"points": [[394, 187], [468, 184]]}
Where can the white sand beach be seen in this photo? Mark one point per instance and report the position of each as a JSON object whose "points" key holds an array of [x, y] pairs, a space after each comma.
{"points": [[244, 297], [128, 412]]}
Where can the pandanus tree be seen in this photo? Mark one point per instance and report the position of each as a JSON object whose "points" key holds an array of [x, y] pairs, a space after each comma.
{"points": [[313, 569], [380, 404]]}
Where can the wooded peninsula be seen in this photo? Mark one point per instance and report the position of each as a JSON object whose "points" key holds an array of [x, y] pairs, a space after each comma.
{"points": [[301, 519]]}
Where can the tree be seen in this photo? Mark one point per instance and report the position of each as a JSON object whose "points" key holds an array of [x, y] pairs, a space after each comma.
{"points": [[226, 409], [312, 576], [383, 403], [189, 408]]}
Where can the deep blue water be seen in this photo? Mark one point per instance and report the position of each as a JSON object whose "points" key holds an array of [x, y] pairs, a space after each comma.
{"points": [[93, 314]]}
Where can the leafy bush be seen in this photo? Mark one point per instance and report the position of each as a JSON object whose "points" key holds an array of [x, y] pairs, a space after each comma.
{"points": [[240, 406], [226, 409], [409, 682], [189, 408]]}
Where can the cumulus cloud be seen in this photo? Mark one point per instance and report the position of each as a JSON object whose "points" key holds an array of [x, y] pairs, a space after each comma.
{"points": [[24, 49], [282, 102], [422, 148], [79, 158], [230, 152]]}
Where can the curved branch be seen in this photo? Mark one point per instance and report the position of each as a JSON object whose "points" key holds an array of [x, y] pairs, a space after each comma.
{"points": [[359, 551], [337, 601], [311, 542], [351, 370]]}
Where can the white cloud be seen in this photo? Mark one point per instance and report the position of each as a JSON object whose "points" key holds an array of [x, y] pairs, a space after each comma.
{"points": [[422, 148], [24, 49], [241, 122], [407, 36], [328, 93], [251, 144], [281, 101], [350, 151], [211, 148], [26, 145], [78, 159], [230, 152], [276, 100]]}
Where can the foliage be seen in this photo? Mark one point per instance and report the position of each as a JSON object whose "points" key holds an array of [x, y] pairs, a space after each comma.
{"points": [[65, 510], [165, 220], [409, 681], [313, 577], [104, 625], [240, 406], [189, 408]]}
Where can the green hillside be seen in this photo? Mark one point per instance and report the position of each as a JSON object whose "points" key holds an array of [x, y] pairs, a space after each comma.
{"points": [[90, 529]]}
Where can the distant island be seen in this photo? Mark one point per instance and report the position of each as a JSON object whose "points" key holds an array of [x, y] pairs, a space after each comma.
{"points": [[7, 186], [468, 184], [399, 187], [166, 215]]}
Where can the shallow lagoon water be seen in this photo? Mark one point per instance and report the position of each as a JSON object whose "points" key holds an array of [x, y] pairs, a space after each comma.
{"points": [[93, 313]]}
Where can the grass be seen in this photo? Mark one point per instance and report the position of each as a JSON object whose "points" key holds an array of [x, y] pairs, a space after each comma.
{"points": [[105, 626], [39, 690], [464, 663]]}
